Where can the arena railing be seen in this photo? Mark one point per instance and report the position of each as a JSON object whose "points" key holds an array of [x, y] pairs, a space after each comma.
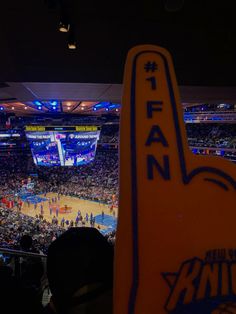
{"points": [[12, 258], [209, 117], [20, 253], [226, 149]]}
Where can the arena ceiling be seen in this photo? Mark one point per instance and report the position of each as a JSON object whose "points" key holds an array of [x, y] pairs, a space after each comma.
{"points": [[80, 98], [60, 107], [201, 35], [36, 64]]}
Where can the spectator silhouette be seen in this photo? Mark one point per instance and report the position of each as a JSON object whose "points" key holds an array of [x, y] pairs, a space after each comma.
{"points": [[80, 273], [31, 272], [8, 287], [31, 267]]}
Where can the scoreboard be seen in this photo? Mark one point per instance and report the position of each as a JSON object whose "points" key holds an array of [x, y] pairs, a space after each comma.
{"points": [[62, 145], [78, 128]]}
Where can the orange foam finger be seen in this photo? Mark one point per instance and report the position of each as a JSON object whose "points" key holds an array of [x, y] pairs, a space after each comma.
{"points": [[176, 211]]}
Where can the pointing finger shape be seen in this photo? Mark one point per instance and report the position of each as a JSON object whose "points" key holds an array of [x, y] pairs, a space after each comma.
{"points": [[172, 203]]}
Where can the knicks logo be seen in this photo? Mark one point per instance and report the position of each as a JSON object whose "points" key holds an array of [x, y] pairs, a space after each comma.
{"points": [[202, 287]]}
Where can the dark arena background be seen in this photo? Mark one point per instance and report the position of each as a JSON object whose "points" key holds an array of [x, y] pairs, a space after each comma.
{"points": [[61, 83]]}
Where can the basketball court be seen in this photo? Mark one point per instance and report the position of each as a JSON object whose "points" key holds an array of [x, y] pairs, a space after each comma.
{"points": [[68, 208]]}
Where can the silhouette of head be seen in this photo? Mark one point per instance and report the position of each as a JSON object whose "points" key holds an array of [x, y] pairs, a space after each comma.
{"points": [[80, 257], [26, 242]]}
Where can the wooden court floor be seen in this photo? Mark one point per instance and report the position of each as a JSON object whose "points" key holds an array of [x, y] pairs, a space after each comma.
{"points": [[75, 203]]}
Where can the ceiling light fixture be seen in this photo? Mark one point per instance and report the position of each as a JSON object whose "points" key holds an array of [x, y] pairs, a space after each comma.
{"points": [[64, 24], [64, 27], [12, 108], [72, 45], [71, 39]]}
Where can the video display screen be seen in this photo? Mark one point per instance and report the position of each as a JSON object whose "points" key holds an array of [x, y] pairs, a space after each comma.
{"points": [[78, 148], [58, 148], [10, 140]]}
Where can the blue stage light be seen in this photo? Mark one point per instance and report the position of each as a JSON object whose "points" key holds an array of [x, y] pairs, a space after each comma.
{"points": [[37, 103], [1, 108], [54, 108], [113, 106], [54, 103], [101, 105], [39, 107]]}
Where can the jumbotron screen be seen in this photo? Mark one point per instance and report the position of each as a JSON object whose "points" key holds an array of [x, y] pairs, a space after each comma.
{"points": [[62, 146]]}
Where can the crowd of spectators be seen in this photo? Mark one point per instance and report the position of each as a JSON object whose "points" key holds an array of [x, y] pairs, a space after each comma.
{"points": [[13, 225], [96, 181], [210, 108], [13, 171], [215, 135], [110, 133], [212, 135]]}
